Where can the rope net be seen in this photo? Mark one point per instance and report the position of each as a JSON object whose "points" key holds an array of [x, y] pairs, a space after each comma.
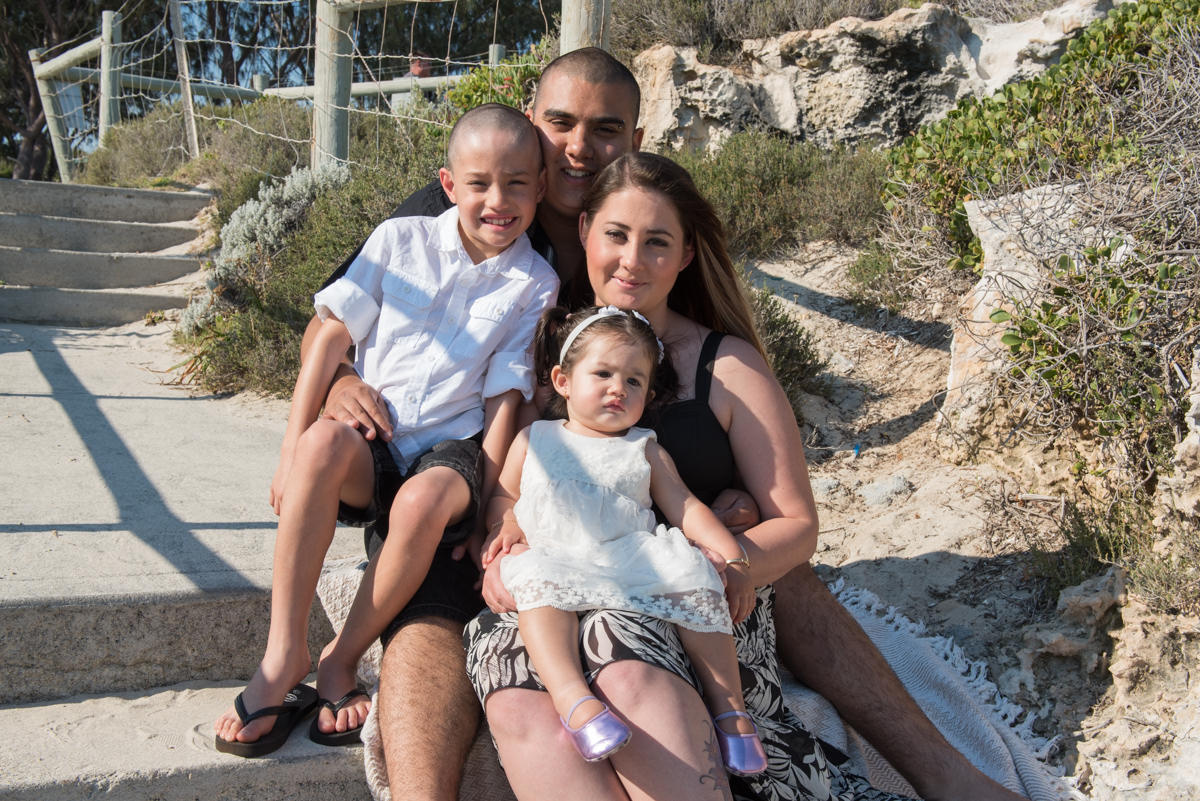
{"points": [[252, 68]]}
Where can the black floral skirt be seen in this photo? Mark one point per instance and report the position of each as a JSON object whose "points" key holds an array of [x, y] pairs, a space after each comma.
{"points": [[800, 767]]}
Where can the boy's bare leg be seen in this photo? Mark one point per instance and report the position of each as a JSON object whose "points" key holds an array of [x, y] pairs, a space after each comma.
{"points": [[428, 713], [332, 463], [714, 660], [823, 646], [423, 507]]}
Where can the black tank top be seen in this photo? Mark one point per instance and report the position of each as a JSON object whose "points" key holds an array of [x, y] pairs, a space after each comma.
{"points": [[692, 435]]}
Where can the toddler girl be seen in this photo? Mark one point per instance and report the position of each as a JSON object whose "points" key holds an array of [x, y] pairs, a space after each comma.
{"points": [[573, 508]]}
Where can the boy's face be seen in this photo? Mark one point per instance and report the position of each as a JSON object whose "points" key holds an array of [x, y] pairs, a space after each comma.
{"points": [[584, 127], [496, 179]]}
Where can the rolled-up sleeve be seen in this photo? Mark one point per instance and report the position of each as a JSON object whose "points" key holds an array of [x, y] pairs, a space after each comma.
{"points": [[354, 298], [511, 365]]}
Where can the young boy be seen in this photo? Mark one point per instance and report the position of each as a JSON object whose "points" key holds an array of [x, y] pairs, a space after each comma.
{"points": [[442, 312]]}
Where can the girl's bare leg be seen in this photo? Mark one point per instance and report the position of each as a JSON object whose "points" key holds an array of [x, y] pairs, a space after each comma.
{"points": [[714, 659], [424, 506], [552, 638], [332, 463], [537, 753]]}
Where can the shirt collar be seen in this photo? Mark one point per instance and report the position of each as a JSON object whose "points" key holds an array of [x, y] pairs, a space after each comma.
{"points": [[513, 261]]}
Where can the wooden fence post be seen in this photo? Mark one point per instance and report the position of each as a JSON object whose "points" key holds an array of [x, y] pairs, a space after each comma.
{"points": [[331, 86], [185, 81], [584, 24], [110, 72], [58, 134]]}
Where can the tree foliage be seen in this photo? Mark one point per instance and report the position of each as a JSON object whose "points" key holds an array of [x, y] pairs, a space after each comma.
{"points": [[25, 25]]}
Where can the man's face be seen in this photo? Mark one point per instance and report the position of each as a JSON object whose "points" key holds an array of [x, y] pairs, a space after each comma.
{"points": [[584, 127]]}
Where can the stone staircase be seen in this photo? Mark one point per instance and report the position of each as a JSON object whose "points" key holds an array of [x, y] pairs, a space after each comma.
{"points": [[95, 256], [135, 537]]}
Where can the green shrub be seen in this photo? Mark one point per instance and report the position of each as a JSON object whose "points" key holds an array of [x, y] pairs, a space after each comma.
{"points": [[510, 82], [253, 340], [794, 356], [241, 144], [1121, 530], [1035, 131], [773, 193]]}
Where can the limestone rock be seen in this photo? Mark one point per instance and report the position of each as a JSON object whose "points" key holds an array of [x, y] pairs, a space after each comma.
{"points": [[1011, 274], [856, 81], [1180, 493]]}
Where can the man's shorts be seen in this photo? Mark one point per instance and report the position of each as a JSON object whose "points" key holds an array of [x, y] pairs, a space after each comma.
{"points": [[449, 587]]}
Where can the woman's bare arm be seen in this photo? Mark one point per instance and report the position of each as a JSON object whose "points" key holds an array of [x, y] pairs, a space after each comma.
{"points": [[769, 453]]}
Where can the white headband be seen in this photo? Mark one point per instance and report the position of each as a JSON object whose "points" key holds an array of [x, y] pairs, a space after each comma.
{"points": [[601, 313]]}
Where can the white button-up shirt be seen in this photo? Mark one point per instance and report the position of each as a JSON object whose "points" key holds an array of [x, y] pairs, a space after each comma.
{"points": [[436, 334]]}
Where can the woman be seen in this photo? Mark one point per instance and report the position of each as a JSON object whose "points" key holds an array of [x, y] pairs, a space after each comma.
{"points": [[655, 245]]}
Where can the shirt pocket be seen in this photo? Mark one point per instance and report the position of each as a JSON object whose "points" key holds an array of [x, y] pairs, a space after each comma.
{"points": [[407, 303], [481, 332]]}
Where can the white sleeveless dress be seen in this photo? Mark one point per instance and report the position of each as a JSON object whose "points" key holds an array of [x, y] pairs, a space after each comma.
{"points": [[585, 509]]}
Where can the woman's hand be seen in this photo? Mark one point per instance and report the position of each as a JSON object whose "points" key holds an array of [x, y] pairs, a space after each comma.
{"points": [[739, 591], [736, 510], [353, 402], [495, 594]]}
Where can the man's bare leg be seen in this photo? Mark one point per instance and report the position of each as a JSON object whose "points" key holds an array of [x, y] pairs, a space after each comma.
{"points": [[823, 646], [428, 714]]}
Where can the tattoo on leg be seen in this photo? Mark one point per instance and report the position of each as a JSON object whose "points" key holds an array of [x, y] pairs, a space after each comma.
{"points": [[716, 775]]}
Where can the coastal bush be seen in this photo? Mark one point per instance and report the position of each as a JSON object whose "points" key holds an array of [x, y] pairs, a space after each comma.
{"points": [[250, 337], [241, 145], [1104, 349], [510, 82], [772, 192]]}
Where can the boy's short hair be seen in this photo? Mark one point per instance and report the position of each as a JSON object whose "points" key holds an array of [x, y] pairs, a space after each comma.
{"points": [[493, 116]]}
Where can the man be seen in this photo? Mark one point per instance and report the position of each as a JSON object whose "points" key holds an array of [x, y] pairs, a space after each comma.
{"points": [[586, 111]]}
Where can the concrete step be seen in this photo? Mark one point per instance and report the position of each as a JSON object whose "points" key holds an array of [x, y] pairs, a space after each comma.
{"points": [[72, 269], [55, 648], [158, 744], [100, 202], [86, 307], [94, 236], [135, 535]]}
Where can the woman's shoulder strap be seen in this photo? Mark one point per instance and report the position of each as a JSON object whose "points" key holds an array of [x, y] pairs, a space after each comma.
{"points": [[704, 368]]}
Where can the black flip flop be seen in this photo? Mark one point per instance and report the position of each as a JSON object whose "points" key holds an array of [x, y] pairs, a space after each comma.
{"points": [[298, 704], [347, 737]]}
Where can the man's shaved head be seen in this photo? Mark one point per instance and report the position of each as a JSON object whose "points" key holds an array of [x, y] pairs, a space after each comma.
{"points": [[595, 66], [492, 117]]}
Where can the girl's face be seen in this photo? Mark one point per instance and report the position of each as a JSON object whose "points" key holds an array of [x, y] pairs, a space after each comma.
{"points": [[636, 249], [607, 386]]}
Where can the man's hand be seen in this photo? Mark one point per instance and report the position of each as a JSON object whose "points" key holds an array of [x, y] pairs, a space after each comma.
{"points": [[353, 402], [471, 546], [495, 595], [736, 510]]}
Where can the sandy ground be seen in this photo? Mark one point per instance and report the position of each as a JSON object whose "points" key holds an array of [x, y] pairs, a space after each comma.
{"points": [[930, 537]]}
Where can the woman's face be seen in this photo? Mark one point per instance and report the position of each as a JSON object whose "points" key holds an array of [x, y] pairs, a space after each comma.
{"points": [[635, 250]]}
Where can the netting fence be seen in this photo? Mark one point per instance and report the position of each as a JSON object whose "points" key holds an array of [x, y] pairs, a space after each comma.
{"points": [[309, 75]]}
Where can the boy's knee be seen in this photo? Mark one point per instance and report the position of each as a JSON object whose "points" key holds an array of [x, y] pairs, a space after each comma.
{"points": [[436, 497], [329, 440]]}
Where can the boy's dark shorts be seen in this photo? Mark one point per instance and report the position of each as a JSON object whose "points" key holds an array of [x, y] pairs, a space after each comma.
{"points": [[448, 590]]}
